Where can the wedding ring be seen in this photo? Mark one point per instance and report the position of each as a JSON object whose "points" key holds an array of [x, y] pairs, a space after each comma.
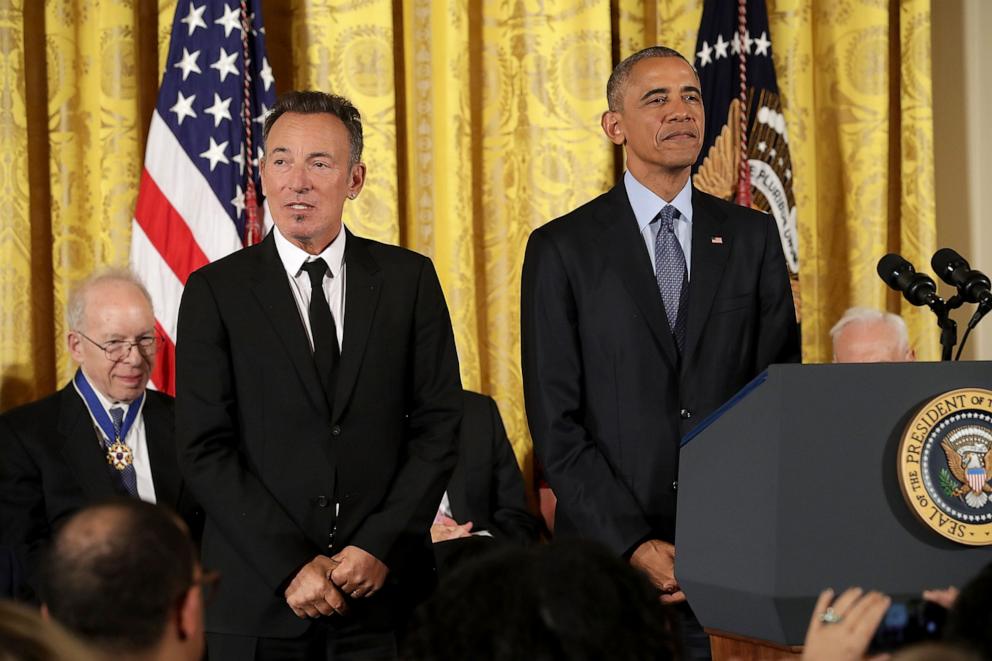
{"points": [[830, 616]]}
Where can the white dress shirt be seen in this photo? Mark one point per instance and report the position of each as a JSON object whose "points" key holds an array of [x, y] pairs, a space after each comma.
{"points": [[135, 439], [293, 258], [444, 509], [646, 206]]}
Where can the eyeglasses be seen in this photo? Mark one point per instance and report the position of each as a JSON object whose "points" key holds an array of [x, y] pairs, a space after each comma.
{"points": [[117, 350]]}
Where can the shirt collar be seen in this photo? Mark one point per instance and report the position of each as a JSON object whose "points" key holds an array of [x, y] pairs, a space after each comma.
{"points": [[108, 403], [105, 401], [293, 257], [646, 204]]}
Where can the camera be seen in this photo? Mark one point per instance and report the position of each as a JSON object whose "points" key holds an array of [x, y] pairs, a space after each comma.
{"points": [[908, 622]]}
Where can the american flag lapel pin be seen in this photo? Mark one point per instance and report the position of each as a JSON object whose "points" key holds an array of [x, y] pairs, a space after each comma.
{"points": [[718, 240]]}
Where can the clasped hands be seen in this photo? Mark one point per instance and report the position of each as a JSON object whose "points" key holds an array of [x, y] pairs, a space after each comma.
{"points": [[320, 586]]}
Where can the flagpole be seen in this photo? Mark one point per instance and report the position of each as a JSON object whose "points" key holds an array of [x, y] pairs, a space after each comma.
{"points": [[744, 174], [253, 230]]}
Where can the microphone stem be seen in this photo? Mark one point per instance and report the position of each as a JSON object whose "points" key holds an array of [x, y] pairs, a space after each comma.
{"points": [[948, 331], [964, 340]]}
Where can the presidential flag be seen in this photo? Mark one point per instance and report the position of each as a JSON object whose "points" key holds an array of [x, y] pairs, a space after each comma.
{"points": [[200, 193], [745, 153]]}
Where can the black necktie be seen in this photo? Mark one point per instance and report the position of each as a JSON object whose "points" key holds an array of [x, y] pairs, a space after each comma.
{"points": [[326, 353]]}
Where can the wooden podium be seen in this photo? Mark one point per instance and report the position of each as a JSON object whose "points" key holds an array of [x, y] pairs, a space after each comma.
{"points": [[731, 647], [791, 487]]}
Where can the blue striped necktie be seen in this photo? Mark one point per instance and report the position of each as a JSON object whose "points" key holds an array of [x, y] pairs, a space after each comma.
{"points": [[671, 273]]}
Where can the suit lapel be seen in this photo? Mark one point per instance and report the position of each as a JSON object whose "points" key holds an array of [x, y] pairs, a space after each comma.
{"points": [[625, 250], [81, 447], [271, 288], [363, 284], [161, 452], [457, 490], [708, 261]]}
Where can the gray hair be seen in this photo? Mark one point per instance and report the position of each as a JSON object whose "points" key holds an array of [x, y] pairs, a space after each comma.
{"points": [[858, 315], [76, 306], [618, 79]]}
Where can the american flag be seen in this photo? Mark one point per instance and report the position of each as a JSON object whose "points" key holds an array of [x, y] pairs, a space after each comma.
{"points": [[199, 193]]}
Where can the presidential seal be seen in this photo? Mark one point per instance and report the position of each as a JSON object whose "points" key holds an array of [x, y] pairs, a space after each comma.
{"points": [[945, 458]]}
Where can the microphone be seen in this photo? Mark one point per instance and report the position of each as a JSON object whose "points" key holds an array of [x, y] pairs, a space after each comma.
{"points": [[897, 273], [973, 286]]}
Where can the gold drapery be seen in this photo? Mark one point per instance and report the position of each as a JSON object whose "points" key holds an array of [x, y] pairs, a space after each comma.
{"points": [[482, 122], [94, 142], [25, 344], [855, 77]]}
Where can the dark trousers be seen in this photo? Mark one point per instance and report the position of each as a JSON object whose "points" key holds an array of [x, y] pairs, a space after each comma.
{"points": [[321, 642], [695, 642]]}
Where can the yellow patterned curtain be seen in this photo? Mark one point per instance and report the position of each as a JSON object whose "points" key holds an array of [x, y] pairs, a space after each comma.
{"points": [[95, 154], [482, 122], [541, 153], [347, 47], [26, 344], [855, 79], [72, 138]]}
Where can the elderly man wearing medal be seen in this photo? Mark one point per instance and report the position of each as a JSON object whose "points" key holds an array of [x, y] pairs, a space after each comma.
{"points": [[102, 435]]}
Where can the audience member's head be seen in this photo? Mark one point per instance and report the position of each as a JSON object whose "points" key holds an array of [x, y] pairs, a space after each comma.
{"points": [[123, 576], [559, 601], [969, 622], [25, 636], [870, 336]]}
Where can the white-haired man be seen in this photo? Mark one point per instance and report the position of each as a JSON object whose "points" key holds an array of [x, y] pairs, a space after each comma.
{"points": [[101, 435], [864, 335]]}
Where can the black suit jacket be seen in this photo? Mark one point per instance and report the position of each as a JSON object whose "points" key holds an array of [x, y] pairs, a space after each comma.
{"points": [[268, 460], [608, 397], [486, 486], [52, 464]]}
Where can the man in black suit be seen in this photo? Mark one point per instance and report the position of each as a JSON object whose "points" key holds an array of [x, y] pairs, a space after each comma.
{"points": [[102, 435], [317, 407], [643, 311], [485, 505]]}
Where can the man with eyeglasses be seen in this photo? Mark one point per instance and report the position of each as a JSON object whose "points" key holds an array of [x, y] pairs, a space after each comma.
{"points": [[101, 435]]}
